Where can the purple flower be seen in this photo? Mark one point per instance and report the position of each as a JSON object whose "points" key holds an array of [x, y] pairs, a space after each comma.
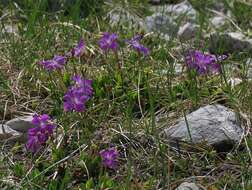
{"points": [[48, 129], [108, 41], [57, 62], [33, 144], [79, 49], [75, 99], [38, 135], [202, 63], [83, 84], [41, 120], [109, 157], [135, 43], [78, 94]]}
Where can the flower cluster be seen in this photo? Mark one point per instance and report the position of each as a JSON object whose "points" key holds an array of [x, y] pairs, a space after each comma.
{"points": [[79, 49], [108, 41], [135, 43], [56, 63], [203, 63], [38, 135], [78, 94], [109, 157]]}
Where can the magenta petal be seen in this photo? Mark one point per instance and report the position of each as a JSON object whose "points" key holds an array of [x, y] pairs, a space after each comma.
{"points": [[79, 49], [135, 44], [33, 131], [78, 94], [56, 63], [38, 135], [59, 59], [33, 144], [202, 63], [109, 157], [108, 41]]}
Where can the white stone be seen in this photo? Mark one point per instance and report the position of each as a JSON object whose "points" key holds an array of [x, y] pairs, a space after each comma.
{"points": [[123, 16], [187, 186], [8, 135], [155, 2], [21, 124], [10, 29], [183, 8], [159, 22], [218, 21], [249, 65], [230, 42], [234, 81], [215, 125], [187, 31]]}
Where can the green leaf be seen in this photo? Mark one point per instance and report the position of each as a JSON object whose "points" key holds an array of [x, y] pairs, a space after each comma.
{"points": [[66, 79], [90, 184]]}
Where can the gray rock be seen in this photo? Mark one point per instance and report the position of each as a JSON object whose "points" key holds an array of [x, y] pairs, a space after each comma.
{"points": [[155, 2], [229, 42], [218, 21], [9, 135], [165, 18], [249, 65], [216, 125], [219, 6], [158, 2], [20, 124], [249, 73], [187, 31], [119, 16], [234, 81], [10, 29], [178, 69], [159, 22], [182, 9], [188, 186]]}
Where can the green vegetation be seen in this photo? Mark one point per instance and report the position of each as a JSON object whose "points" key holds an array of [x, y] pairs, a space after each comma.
{"points": [[131, 92]]}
